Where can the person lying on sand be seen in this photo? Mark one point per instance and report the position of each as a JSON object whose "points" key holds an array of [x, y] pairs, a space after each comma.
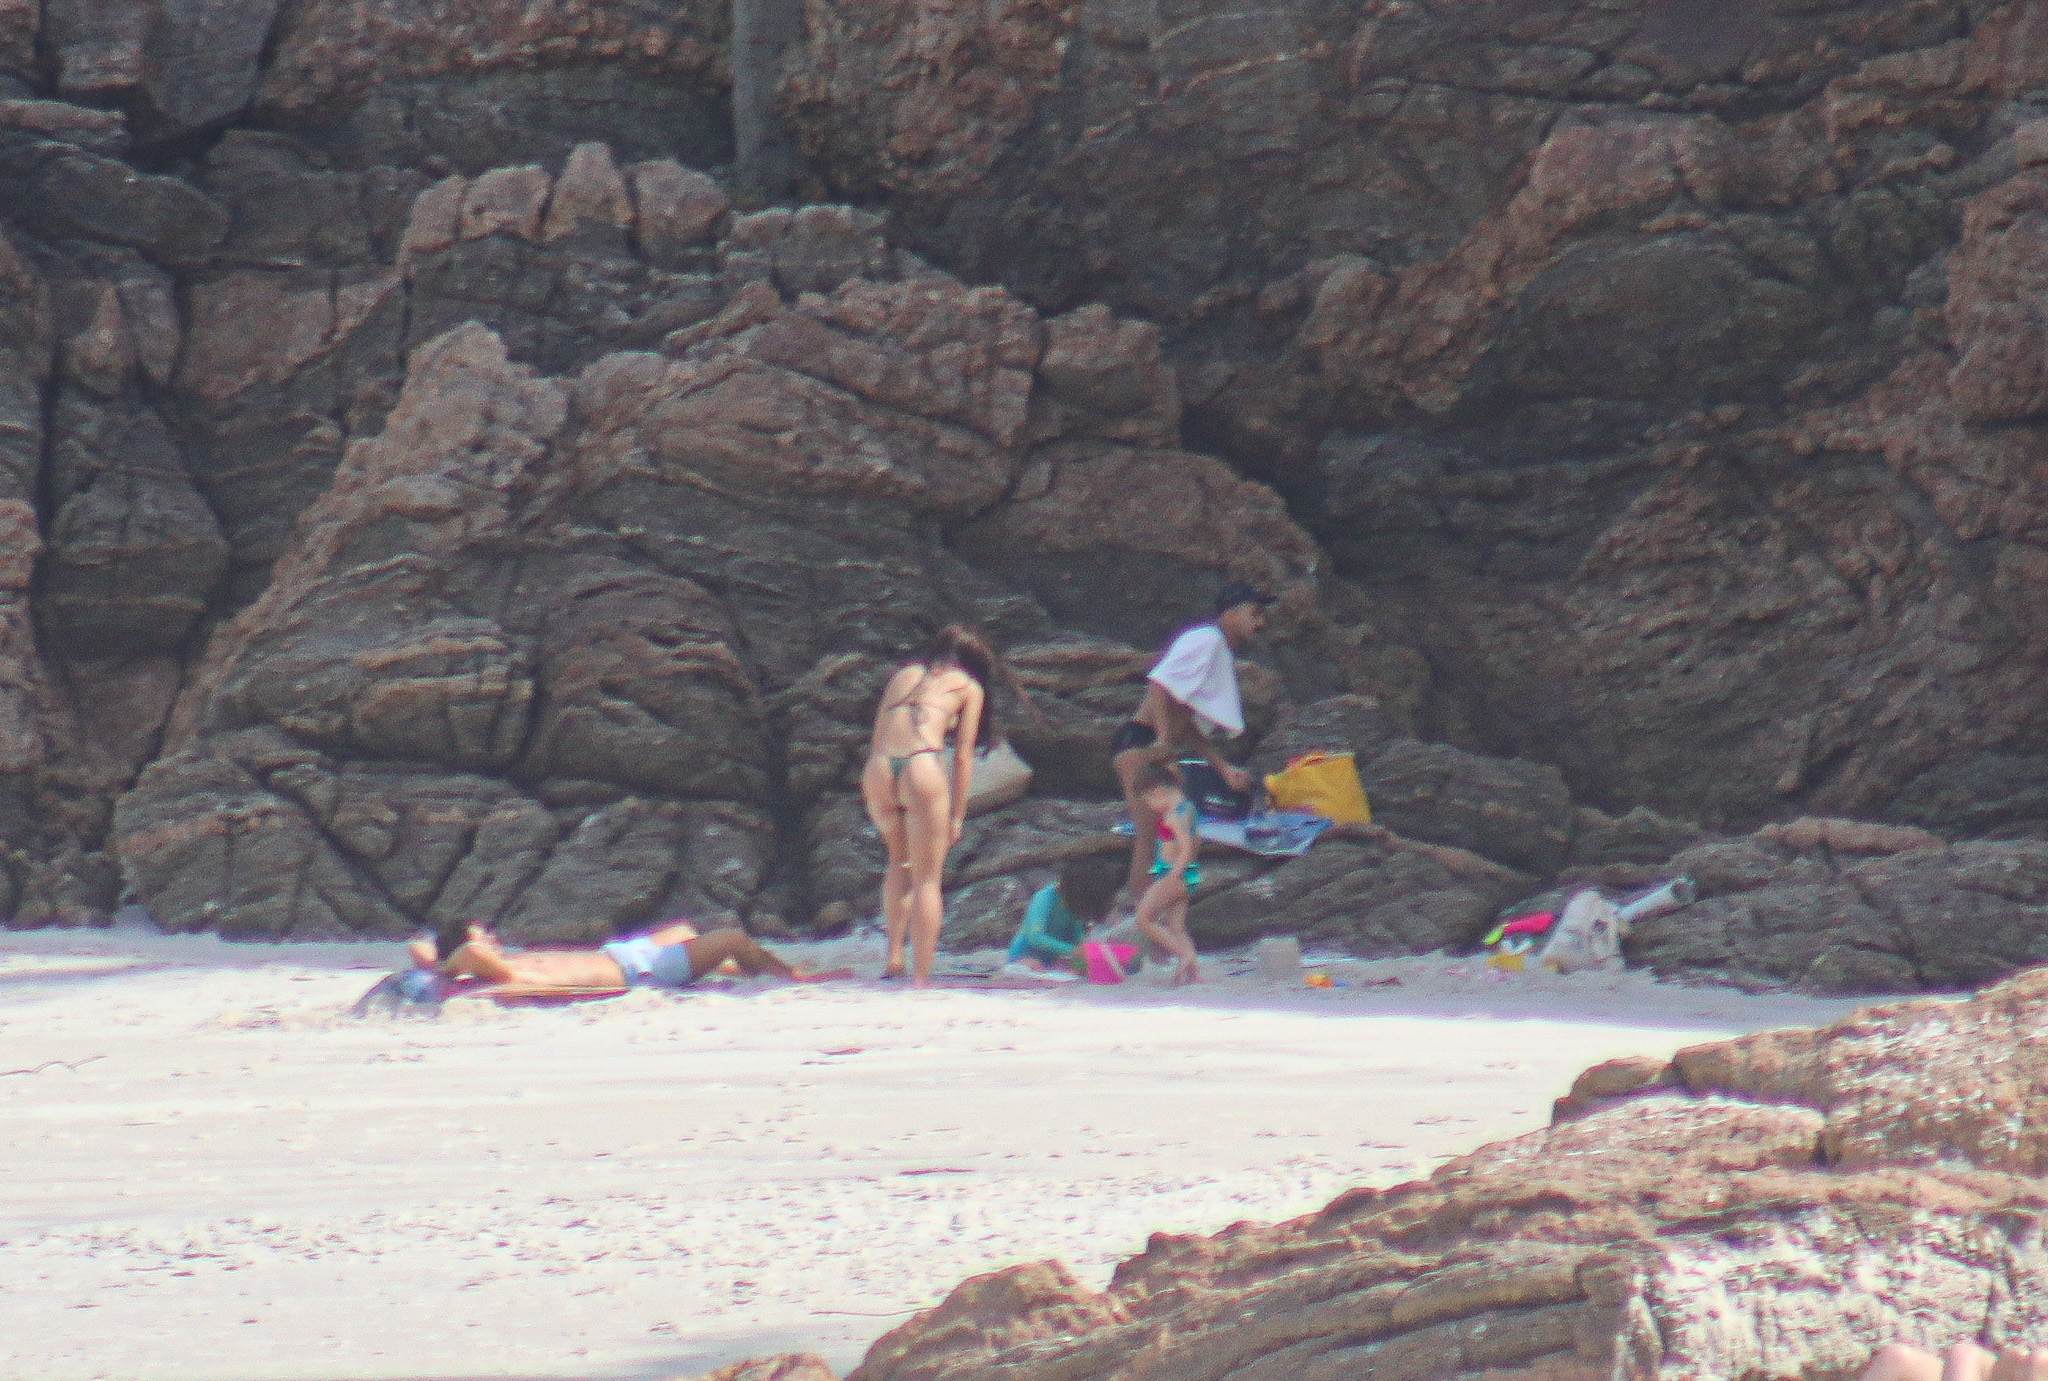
{"points": [[1963, 1362], [673, 957]]}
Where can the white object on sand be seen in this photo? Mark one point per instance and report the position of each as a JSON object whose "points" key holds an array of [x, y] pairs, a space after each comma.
{"points": [[1587, 936], [1278, 956]]}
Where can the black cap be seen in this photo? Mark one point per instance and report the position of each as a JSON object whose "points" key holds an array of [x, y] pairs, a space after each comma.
{"points": [[1236, 592]]}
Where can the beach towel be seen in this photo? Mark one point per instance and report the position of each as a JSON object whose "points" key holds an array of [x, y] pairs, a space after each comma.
{"points": [[422, 991], [1274, 834]]}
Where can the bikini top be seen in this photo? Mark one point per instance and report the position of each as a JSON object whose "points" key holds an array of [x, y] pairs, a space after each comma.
{"points": [[1165, 831], [909, 701]]}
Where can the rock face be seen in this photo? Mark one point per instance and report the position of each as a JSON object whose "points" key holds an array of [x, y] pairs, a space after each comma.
{"points": [[1779, 1205], [582, 651], [1640, 410], [541, 557], [1667, 378], [1854, 911]]}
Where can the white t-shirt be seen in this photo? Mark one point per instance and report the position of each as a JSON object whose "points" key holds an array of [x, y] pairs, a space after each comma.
{"points": [[1200, 672]]}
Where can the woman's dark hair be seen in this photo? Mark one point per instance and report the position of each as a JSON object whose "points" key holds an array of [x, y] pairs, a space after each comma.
{"points": [[957, 645], [1089, 885], [450, 936]]}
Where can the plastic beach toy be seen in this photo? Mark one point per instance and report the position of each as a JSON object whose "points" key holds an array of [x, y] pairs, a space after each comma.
{"points": [[1107, 962]]}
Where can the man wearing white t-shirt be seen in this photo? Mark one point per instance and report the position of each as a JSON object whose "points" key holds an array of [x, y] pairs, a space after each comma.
{"points": [[1190, 695]]}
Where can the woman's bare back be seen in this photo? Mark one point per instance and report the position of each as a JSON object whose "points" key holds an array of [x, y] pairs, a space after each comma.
{"points": [[919, 708]]}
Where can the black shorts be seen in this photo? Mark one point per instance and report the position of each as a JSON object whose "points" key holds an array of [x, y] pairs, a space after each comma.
{"points": [[1132, 735]]}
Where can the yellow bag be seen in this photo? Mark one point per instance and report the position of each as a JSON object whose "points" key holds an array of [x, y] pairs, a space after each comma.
{"points": [[1324, 783]]}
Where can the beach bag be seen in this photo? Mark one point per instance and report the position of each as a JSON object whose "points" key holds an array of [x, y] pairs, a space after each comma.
{"points": [[999, 778], [1108, 962], [1213, 797], [1326, 784], [1587, 936]]}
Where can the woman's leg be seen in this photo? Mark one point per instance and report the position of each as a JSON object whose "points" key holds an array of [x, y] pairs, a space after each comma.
{"points": [[479, 959], [878, 791], [927, 799], [707, 952]]}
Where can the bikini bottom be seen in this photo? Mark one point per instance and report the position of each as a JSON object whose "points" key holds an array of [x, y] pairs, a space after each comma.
{"points": [[898, 762], [1133, 735]]}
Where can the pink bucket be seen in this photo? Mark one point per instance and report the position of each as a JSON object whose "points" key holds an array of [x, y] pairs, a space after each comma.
{"points": [[1108, 963]]}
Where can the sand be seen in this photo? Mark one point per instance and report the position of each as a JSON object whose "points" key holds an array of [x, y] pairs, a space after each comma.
{"points": [[208, 1171]]}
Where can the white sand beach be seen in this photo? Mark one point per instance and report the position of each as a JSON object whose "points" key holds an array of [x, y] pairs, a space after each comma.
{"points": [[207, 1171]]}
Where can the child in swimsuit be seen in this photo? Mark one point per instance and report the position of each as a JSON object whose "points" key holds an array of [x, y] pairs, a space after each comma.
{"points": [[1163, 910], [1059, 914]]}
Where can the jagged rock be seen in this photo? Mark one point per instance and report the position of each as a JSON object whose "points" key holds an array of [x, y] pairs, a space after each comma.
{"points": [[96, 131], [1848, 836], [1640, 837], [1109, 372], [483, 86], [1097, 533], [1355, 724], [503, 586], [1884, 911], [1364, 890], [63, 191], [1518, 813], [674, 209], [287, 208], [187, 63], [789, 1366]]}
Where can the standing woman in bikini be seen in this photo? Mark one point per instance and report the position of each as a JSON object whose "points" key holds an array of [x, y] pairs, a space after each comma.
{"points": [[916, 805]]}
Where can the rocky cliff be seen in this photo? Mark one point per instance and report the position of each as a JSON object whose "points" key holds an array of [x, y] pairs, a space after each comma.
{"points": [[424, 491], [1775, 1206]]}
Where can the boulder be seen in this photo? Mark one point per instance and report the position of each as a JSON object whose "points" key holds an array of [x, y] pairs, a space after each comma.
{"points": [[1355, 724], [1639, 836], [1360, 889], [1787, 906], [483, 86], [64, 191], [1517, 813]]}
